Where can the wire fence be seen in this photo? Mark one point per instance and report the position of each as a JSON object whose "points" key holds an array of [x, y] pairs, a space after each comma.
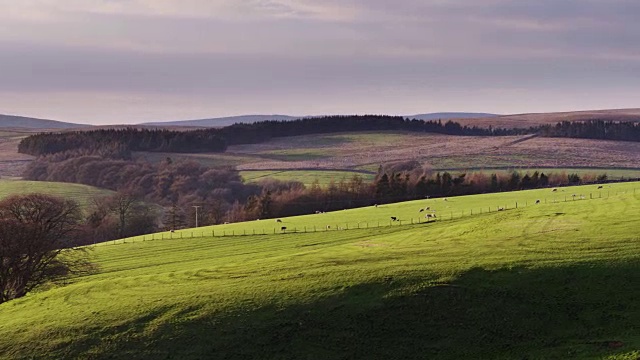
{"points": [[423, 219]]}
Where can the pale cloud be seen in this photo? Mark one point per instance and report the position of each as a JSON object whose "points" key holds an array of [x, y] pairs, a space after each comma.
{"points": [[267, 51]]}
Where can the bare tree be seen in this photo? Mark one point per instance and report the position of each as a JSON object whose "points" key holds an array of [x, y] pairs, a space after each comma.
{"points": [[33, 230], [122, 205]]}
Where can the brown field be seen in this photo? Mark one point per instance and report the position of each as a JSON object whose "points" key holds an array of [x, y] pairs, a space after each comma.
{"points": [[534, 119], [12, 163], [368, 150]]}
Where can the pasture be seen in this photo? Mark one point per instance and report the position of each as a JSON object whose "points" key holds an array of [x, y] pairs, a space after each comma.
{"points": [[551, 280], [408, 213], [80, 193], [307, 177], [368, 150]]}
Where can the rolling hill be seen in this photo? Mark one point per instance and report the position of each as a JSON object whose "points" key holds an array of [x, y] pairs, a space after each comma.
{"points": [[226, 121], [222, 121], [12, 121], [534, 119], [83, 194], [451, 115], [554, 280]]}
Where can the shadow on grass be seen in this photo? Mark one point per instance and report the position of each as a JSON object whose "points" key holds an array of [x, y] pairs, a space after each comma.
{"points": [[579, 311]]}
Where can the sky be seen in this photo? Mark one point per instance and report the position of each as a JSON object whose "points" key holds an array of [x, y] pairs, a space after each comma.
{"points": [[131, 61]]}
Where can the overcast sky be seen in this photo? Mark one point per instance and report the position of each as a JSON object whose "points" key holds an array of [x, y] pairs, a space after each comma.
{"points": [[127, 61]]}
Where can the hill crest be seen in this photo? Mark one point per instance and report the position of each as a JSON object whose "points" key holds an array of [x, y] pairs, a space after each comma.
{"points": [[13, 121]]}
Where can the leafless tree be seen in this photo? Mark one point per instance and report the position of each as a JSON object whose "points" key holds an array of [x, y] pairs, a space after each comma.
{"points": [[33, 230], [122, 204]]}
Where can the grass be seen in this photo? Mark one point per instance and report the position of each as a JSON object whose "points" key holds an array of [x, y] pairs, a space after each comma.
{"points": [[80, 193], [408, 212], [307, 177], [556, 280]]}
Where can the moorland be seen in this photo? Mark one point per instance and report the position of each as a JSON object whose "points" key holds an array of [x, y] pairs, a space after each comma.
{"points": [[469, 241]]}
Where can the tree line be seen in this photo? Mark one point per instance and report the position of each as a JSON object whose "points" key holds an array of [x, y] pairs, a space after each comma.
{"points": [[121, 142], [223, 196], [594, 129]]}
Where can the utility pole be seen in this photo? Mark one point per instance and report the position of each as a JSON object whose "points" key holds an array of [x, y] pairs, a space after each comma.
{"points": [[196, 206]]}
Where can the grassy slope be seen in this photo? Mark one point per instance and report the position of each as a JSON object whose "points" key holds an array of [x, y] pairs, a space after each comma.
{"points": [[81, 193], [306, 177], [557, 280]]}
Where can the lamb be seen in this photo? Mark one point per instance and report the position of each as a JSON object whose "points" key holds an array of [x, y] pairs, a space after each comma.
{"points": [[278, 220], [421, 210], [393, 218], [600, 187], [429, 216], [538, 201], [554, 190], [500, 208]]}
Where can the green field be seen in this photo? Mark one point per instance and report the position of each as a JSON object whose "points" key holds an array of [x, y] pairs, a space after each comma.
{"points": [[555, 280], [80, 193], [612, 173], [307, 177]]}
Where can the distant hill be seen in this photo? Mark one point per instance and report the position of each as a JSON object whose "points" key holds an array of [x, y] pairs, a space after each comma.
{"points": [[535, 119], [223, 121], [451, 115], [11, 121], [248, 119]]}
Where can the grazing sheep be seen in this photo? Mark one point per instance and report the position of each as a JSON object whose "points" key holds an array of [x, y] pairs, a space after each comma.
{"points": [[318, 212], [421, 210], [328, 227], [600, 187], [429, 216], [445, 199], [538, 201], [376, 205], [554, 190], [278, 220], [172, 231], [393, 218], [428, 208], [500, 208], [283, 228]]}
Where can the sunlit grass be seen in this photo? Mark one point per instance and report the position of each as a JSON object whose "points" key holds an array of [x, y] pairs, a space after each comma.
{"points": [[550, 280]]}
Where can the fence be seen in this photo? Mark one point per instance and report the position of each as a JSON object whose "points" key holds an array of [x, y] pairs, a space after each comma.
{"points": [[446, 216]]}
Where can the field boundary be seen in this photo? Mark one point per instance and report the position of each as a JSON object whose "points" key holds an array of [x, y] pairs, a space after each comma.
{"points": [[442, 216]]}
